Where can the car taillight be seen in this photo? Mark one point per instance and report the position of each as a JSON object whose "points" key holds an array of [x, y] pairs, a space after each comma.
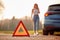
{"points": [[46, 14]]}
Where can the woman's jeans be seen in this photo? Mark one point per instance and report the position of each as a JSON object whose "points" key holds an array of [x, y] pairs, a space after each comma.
{"points": [[36, 23]]}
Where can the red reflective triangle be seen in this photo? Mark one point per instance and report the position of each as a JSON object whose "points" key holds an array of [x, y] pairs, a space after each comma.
{"points": [[25, 31]]}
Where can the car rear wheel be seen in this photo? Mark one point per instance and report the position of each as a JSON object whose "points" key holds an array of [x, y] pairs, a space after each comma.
{"points": [[51, 33]]}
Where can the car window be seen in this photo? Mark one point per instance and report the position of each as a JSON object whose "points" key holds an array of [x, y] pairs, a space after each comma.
{"points": [[54, 8]]}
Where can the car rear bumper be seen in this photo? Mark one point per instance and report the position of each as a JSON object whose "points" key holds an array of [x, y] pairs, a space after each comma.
{"points": [[51, 28]]}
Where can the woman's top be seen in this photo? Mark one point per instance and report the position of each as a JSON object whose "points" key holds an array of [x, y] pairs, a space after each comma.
{"points": [[35, 12]]}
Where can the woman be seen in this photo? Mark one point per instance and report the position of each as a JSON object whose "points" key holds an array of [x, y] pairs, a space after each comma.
{"points": [[35, 12]]}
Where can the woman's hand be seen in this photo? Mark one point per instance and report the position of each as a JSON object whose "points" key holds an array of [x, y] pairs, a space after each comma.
{"points": [[31, 15]]}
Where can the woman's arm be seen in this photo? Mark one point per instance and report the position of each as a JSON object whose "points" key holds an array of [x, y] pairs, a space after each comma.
{"points": [[32, 12], [38, 11]]}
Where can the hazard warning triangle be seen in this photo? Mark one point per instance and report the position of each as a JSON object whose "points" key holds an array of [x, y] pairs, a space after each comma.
{"points": [[21, 26]]}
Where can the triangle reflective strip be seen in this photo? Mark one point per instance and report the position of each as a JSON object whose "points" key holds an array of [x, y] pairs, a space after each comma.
{"points": [[25, 31]]}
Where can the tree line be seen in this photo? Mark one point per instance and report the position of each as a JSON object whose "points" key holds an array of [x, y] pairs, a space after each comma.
{"points": [[11, 24]]}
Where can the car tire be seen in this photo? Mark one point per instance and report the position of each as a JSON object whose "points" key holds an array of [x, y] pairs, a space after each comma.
{"points": [[45, 32], [51, 33]]}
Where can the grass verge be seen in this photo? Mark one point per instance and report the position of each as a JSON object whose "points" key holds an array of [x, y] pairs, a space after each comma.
{"points": [[11, 32]]}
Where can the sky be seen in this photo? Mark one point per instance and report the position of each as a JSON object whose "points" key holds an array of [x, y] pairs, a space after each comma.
{"points": [[21, 8]]}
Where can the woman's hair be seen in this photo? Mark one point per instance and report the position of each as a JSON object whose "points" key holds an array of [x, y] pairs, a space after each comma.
{"points": [[36, 6]]}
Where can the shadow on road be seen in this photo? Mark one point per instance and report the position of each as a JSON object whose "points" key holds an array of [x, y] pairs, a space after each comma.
{"points": [[57, 34]]}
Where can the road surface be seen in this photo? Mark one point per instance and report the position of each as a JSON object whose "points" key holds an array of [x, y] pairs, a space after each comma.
{"points": [[38, 37]]}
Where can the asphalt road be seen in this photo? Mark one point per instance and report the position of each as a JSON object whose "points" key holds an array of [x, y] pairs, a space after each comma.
{"points": [[38, 37]]}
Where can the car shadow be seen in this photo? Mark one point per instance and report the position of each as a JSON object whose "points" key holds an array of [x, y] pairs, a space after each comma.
{"points": [[57, 34]]}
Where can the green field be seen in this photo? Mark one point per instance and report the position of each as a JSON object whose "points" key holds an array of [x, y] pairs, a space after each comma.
{"points": [[31, 32], [11, 32]]}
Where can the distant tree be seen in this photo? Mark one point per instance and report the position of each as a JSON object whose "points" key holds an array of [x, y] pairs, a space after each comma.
{"points": [[13, 18], [26, 17]]}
